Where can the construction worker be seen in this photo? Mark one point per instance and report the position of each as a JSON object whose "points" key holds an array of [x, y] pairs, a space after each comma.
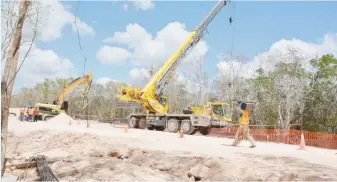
{"points": [[36, 114], [26, 113], [22, 113], [30, 113], [244, 125]]}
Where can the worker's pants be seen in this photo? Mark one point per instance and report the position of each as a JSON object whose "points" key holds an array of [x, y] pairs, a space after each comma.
{"points": [[35, 118], [22, 116], [243, 129]]}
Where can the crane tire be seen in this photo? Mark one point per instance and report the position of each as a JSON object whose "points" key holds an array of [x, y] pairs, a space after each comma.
{"points": [[187, 127], [173, 125], [132, 122], [142, 123]]}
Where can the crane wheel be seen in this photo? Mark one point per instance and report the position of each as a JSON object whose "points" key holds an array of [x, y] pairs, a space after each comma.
{"points": [[187, 127], [132, 122], [160, 128], [205, 130], [173, 125], [142, 123]]}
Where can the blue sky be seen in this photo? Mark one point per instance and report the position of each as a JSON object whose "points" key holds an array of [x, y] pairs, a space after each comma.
{"points": [[257, 25]]}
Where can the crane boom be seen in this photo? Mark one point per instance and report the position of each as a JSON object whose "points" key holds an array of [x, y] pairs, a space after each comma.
{"points": [[161, 78], [150, 97]]}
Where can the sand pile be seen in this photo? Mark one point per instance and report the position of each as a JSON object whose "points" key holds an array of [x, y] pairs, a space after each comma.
{"points": [[61, 118]]}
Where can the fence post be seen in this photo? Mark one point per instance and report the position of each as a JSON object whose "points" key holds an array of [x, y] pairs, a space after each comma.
{"points": [[267, 138]]}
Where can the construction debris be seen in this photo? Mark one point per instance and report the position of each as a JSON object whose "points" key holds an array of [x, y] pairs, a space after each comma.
{"points": [[45, 173]]}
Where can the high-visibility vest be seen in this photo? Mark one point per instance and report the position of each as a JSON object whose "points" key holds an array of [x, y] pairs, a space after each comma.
{"points": [[22, 110], [30, 111], [244, 119]]}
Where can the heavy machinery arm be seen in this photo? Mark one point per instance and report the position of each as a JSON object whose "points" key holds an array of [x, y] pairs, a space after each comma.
{"points": [[86, 80], [48, 111], [151, 96]]}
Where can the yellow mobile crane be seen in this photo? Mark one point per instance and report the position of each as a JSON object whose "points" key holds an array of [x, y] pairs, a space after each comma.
{"points": [[151, 96], [48, 111]]}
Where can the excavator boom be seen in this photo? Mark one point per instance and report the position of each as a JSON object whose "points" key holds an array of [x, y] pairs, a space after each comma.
{"points": [[48, 111], [86, 80]]}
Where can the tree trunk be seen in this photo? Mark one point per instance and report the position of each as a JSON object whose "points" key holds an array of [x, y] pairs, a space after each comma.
{"points": [[10, 69]]}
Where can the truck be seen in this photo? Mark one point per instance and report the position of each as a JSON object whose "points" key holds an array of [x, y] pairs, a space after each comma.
{"points": [[151, 97], [48, 111]]}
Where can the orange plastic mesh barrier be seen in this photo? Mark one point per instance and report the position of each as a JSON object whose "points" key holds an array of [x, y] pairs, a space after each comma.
{"points": [[315, 139]]}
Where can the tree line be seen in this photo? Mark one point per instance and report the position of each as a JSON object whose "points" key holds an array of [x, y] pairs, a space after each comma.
{"points": [[290, 94]]}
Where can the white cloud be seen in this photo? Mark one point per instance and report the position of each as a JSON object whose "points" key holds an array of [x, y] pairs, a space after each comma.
{"points": [[126, 7], [143, 4], [41, 64], [83, 28], [112, 55], [149, 50], [104, 80], [278, 52], [139, 74], [53, 18]]}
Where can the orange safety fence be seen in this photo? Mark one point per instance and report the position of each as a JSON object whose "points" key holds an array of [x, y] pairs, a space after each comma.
{"points": [[291, 136]]}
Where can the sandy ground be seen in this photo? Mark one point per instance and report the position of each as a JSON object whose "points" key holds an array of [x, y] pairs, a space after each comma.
{"points": [[104, 152]]}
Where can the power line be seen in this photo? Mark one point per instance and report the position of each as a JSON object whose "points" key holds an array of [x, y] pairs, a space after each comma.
{"points": [[233, 31], [79, 39], [85, 99]]}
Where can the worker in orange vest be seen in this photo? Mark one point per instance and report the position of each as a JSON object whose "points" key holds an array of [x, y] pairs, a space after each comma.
{"points": [[244, 125], [30, 113]]}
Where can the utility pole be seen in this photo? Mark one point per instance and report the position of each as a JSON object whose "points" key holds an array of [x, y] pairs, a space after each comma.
{"points": [[8, 79]]}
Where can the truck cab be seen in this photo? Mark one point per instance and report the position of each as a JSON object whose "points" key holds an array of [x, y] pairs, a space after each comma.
{"points": [[219, 111]]}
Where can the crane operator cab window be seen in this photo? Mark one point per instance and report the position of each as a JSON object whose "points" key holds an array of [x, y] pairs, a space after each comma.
{"points": [[162, 100], [221, 110]]}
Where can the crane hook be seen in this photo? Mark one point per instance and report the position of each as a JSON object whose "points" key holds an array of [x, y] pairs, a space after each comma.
{"points": [[230, 20]]}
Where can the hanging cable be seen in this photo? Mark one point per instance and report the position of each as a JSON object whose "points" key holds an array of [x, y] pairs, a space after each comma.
{"points": [[79, 39], [85, 99], [233, 30]]}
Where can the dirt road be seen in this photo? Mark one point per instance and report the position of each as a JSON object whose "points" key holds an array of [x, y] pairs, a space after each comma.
{"points": [[103, 152]]}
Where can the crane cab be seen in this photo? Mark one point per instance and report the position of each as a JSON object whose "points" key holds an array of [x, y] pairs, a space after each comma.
{"points": [[219, 111]]}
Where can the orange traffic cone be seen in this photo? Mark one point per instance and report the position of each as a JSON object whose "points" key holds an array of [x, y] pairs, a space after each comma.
{"points": [[69, 122], [181, 133], [302, 143], [126, 128]]}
